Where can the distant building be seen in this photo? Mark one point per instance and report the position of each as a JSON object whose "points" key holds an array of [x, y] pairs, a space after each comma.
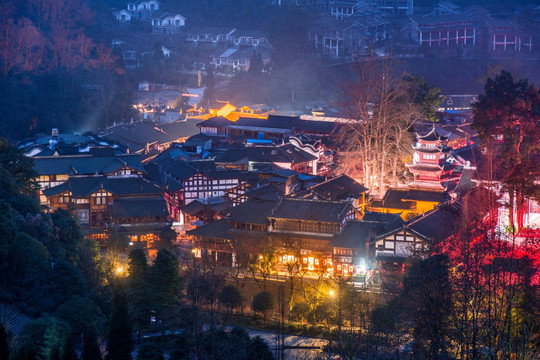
{"points": [[143, 9], [167, 23], [226, 38]]}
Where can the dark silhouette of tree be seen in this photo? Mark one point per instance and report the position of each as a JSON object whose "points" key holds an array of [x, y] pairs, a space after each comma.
{"points": [[4, 346], [164, 284], [90, 349], [428, 293], [119, 340], [231, 297], [150, 351], [82, 315], [138, 289], [508, 113], [264, 302]]}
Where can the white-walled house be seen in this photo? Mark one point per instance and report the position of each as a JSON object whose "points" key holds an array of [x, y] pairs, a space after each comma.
{"points": [[123, 15], [167, 23], [143, 9]]}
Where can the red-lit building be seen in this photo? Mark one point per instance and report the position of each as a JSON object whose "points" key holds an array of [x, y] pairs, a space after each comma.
{"points": [[429, 165]]}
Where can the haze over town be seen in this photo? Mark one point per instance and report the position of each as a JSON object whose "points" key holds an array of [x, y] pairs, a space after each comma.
{"points": [[269, 179]]}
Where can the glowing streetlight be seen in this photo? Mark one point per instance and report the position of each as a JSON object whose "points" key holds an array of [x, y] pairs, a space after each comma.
{"points": [[119, 270], [331, 292]]}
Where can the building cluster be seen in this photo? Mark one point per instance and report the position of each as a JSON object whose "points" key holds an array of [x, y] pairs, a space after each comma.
{"points": [[244, 185], [471, 28]]}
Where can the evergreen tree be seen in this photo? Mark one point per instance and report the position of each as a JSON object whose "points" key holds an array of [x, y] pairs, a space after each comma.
{"points": [[90, 350], [138, 289], [164, 284], [120, 341], [264, 302], [4, 347], [509, 113]]}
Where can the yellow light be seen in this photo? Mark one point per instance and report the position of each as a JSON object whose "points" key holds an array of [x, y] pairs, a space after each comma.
{"points": [[193, 251], [260, 257], [119, 269], [331, 292]]}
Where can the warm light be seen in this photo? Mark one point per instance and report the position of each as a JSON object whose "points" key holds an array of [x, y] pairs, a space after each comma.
{"points": [[331, 293], [193, 251], [260, 257], [119, 270]]}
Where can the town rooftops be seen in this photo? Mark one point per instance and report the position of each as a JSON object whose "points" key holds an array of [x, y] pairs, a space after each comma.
{"points": [[311, 210], [287, 153], [253, 211], [433, 135], [340, 187], [425, 195], [439, 223], [357, 234], [139, 207], [86, 164], [393, 200], [216, 229], [82, 186]]}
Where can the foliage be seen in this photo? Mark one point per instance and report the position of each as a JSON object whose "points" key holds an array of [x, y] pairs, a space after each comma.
{"points": [[300, 311], [231, 297], [164, 284], [138, 288], [427, 292], [149, 351], [45, 338], [4, 347], [218, 345], [120, 340], [90, 349], [82, 315], [508, 114], [377, 136], [264, 302]]}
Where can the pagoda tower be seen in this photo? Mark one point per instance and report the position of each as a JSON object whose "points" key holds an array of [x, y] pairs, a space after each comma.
{"points": [[429, 166]]}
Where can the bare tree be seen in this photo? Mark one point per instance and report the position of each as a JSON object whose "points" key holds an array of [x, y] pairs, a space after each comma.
{"points": [[380, 112]]}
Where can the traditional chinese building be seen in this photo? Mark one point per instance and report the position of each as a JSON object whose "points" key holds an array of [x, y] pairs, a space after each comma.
{"points": [[429, 165]]}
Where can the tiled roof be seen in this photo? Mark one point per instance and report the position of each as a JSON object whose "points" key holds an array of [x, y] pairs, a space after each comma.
{"points": [[393, 199], [217, 230], [439, 223], [118, 185], [12, 319], [356, 234], [339, 188], [85, 164], [287, 153], [314, 210], [139, 207], [426, 195], [252, 212]]}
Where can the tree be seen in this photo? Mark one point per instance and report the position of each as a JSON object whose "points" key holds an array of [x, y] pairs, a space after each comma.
{"points": [[120, 340], [377, 135], [149, 351], [263, 266], [509, 113], [46, 338], [164, 284], [82, 315], [4, 347], [138, 289], [300, 311], [231, 297], [90, 350], [264, 302], [427, 290]]}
